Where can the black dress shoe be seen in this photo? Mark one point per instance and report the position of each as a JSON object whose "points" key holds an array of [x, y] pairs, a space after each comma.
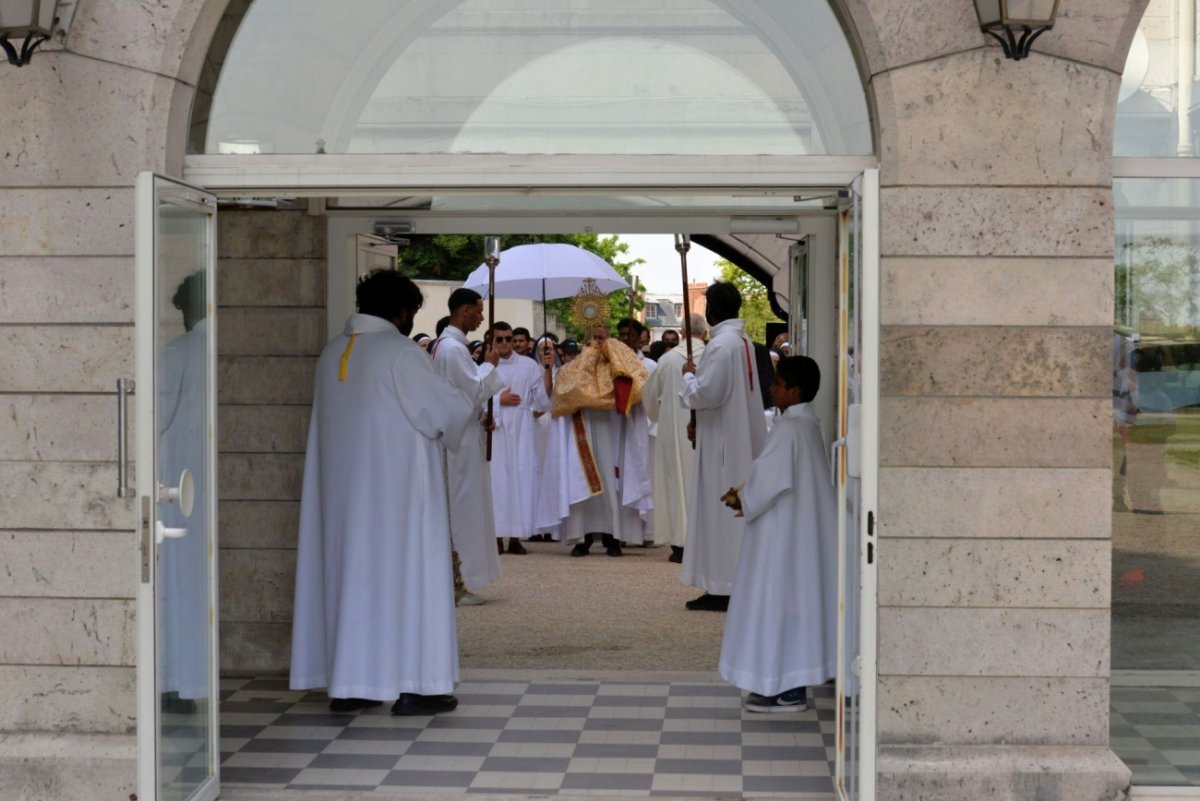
{"points": [[709, 603], [581, 549], [413, 704], [515, 547], [351, 704], [613, 549], [676, 555]]}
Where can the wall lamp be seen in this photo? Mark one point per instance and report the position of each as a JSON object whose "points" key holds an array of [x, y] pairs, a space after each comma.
{"points": [[1016, 23], [32, 20]]}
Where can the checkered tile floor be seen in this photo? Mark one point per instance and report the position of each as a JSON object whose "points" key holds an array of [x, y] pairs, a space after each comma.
{"points": [[559, 738], [1156, 732]]}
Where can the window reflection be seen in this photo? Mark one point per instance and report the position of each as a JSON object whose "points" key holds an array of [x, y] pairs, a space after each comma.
{"points": [[1156, 481]]}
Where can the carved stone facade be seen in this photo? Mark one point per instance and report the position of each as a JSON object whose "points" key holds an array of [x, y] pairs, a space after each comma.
{"points": [[996, 297]]}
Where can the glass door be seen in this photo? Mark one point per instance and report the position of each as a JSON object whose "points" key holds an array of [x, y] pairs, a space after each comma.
{"points": [[175, 396], [855, 467]]}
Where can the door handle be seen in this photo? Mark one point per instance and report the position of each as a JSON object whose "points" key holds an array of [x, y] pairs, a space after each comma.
{"points": [[183, 493], [125, 388], [161, 532], [834, 448]]}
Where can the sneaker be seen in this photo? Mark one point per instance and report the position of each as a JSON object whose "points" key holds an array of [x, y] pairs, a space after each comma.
{"points": [[470, 599], [794, 700], [413, 704]]}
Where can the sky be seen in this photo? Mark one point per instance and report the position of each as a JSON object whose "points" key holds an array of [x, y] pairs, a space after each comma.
{"points": [[660, 273]]}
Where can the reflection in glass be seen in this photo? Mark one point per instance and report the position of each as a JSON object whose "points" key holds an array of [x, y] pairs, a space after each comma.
{"points": [[1157, 115], [183, 569], [538, 76], [1156, 480]]}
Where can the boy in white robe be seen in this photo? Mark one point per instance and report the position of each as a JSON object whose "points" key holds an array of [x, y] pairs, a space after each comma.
{"points": [[781, 631], [472, 528], [374, 605]]}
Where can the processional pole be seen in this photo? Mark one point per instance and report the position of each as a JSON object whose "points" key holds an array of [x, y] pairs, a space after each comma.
{"points": [[491, 257], [683, 243]]}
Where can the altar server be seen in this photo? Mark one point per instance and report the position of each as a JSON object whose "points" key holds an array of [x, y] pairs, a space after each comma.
{"points": [[781, 633]]}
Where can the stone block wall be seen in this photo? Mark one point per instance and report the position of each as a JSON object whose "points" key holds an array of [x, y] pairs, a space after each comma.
{"points": [[271, 285]]}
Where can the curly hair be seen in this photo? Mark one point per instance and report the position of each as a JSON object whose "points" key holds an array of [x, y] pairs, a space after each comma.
{"points": [[385, 293]]}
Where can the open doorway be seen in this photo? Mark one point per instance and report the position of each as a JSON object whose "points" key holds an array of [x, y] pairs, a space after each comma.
{"points": [[276, 295]]}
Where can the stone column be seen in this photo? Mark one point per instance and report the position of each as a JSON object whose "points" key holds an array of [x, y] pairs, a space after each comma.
{"points": [[995, 416], [79, 122]]}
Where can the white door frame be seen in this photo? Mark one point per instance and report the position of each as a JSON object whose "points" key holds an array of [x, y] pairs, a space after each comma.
{"points": [[147, 488], [389, 176]]}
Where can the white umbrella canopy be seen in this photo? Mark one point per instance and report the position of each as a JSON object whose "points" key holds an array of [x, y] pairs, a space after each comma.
{"points": [[545, 271]]}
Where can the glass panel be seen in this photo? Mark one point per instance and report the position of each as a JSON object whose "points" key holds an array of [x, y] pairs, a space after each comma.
{"points": [[1157, 112], [183, 589], [539, 76], [1156, 481]]}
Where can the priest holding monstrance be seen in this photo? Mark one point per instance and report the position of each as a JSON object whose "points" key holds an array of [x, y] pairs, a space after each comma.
{"points": [[596, 470], [374, 613]]}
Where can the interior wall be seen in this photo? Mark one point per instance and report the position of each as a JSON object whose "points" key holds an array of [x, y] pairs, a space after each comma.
{"points": [[271, 294]]}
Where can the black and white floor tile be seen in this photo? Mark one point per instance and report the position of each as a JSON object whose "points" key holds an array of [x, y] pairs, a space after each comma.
{"points": [[1156, 732], [532, 737]]}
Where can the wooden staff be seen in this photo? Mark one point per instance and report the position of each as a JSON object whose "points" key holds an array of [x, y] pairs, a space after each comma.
{"points": [[491, 257], [683, 243]]}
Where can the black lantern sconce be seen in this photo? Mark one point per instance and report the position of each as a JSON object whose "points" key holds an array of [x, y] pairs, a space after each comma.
{"points": [[1016, 23], [32, 20]]}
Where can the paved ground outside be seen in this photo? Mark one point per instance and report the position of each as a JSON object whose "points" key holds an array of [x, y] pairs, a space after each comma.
{"points": [[554, 611]]}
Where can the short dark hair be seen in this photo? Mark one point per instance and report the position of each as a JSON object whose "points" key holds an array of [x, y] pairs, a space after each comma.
{"points": [[629, 322], [522, 330], [723, 301], [802, 372], [441, 325], [500, 325], [462, 297], [385, 293]]}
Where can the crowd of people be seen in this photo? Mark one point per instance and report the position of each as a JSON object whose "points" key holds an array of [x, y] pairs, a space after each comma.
{"points": [[417, 481]]}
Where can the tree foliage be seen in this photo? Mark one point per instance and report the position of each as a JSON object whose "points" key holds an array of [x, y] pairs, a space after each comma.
{"points": [[452, 257], [756, 305]]}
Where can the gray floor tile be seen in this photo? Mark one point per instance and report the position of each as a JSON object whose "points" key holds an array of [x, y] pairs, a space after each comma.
{"points": [[706, 690], [703, 713], [607, 781], [787, 784], [543, 688], [701, 738], [439, 748], [631, 700], [378, 733], [622, 724], [526, 764], [782, 753], [552, 711], [616, 751], [539, 736], [280, 776], [467, 722], [263, 746], [488, 699], [308, 720], [700, 767], [354, 761], [429, 778]]}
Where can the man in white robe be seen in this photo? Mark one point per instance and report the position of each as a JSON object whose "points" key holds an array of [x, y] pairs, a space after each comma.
{"points": [[514, 463], [730, 429], [632, 334], [472, 528], [781, 632], [374, 608], [673, 452], [586, 495]]}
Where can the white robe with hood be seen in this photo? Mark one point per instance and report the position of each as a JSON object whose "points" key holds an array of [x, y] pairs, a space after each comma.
{"points": [[673, 452], [730, 429], [472, 528], [781, 629], [374, 609]]}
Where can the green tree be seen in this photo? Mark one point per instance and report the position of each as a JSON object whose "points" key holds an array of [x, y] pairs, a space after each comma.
{"points": [[452, 257], [756, 305]]}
